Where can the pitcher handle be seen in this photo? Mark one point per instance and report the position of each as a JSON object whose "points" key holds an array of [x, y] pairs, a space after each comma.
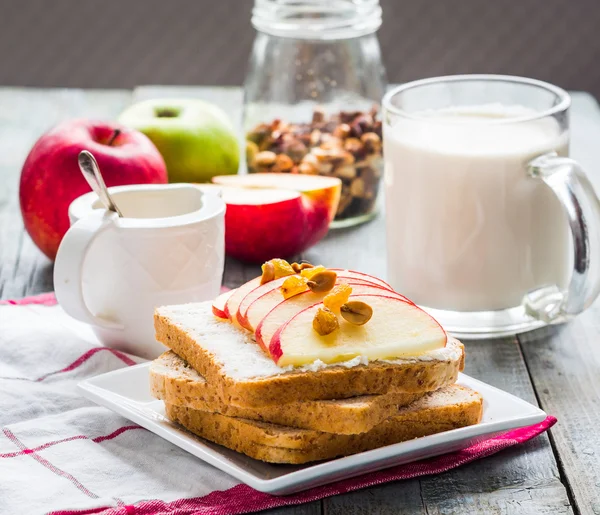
{"points": [[576, 193], [68, 267]]}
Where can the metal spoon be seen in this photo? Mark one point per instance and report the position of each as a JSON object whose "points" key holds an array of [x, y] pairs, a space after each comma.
{"points": [[91, 171]]}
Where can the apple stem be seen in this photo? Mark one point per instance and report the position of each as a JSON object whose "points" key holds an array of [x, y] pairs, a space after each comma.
{"points": [[114, 136]]}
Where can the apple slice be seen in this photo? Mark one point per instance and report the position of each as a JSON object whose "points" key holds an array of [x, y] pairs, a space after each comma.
{"points": [[259, 231], [218, 305], [257, 292], [361, 275], [263, 301], [286, 310], [396, 329], [233, 302]]}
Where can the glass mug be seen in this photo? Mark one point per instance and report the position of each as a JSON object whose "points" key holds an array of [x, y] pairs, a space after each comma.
{"points": [[490, 226]]}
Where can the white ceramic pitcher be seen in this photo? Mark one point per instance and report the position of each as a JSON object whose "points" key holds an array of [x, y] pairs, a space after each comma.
{"points": [[112, 272]]}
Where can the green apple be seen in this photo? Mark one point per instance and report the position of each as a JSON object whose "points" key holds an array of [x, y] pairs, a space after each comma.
{"points": [[195, 138]]}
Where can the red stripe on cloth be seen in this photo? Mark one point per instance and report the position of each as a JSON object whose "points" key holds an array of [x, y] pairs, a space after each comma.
{"points": [[87, 355], [81, 512], [42, 461], [41, 447], [45, 299], [243, 499], [116, 433], [97, 439], [78, 362], [49, 299]]}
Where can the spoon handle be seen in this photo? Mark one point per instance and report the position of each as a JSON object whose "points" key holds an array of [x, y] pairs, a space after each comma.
{"points": [[91, 171]]}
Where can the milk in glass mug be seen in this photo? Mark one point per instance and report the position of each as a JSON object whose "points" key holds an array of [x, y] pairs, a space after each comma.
{"points": [[490, 226]]}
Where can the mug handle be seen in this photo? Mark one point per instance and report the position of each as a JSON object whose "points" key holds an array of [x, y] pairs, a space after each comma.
{"points": [[68, 267], [576, 193]]}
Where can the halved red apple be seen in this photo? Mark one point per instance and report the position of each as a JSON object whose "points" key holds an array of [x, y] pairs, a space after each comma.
{"points": [[279, 315], [396, 329], [274, 214], [218, 305]]}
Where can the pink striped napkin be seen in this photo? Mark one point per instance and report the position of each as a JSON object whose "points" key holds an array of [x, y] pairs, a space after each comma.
{"points": [[63, 455]]}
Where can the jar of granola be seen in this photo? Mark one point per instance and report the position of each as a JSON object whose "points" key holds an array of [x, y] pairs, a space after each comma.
{"points": [[312, 95]]}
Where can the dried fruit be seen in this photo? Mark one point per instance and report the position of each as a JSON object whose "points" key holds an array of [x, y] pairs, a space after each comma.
{"points": [[330, 141], [321, 154], [325, 322], [357, 187], [283, 163], [346, 145], [268, 272], [371, 141], [310, 159], [293, 285], [347, 158], [298, 267], [346, 172], [342, 130], [353, 145], [337, 297], [309, 272], [322, 281], [251, 152], [307, 169], [331, 145], [282, 268], [265, 158], [274, 269], [318, 115], [259, 133], [356, 312], [325, 168], [315, 137], [295, 149]]}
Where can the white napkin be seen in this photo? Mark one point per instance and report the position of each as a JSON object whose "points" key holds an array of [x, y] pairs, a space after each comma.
{"points": [[60, 453]]}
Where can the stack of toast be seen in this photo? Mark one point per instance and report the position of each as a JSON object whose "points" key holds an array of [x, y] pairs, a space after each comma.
{"points": [[219, 384]]}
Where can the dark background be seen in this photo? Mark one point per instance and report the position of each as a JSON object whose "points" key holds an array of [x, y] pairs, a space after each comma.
{"points": [[125, 43]]}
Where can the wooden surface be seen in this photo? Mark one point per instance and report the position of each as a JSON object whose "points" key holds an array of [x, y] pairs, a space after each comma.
{"points": [[558, 368]]}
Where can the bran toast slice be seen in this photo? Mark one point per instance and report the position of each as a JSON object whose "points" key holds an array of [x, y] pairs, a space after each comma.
{"points": [[448, 408], [177, 383], [242, 375]]}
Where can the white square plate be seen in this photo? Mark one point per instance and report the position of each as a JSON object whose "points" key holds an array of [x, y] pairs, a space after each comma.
{"points": [[127, 392]]}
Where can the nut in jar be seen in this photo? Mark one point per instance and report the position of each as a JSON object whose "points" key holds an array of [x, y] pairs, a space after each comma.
{"points": [[346, 145]]}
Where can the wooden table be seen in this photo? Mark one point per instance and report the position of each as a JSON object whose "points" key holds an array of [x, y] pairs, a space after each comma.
{"points": [[557, 368]]}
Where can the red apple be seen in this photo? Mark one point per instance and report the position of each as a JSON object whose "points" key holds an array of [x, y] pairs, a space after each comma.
{"points": [[51, 179], [396, 329], [275, 214]]}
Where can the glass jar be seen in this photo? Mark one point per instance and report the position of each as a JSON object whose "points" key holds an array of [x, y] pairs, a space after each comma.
{"points": [[312, 96]]}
